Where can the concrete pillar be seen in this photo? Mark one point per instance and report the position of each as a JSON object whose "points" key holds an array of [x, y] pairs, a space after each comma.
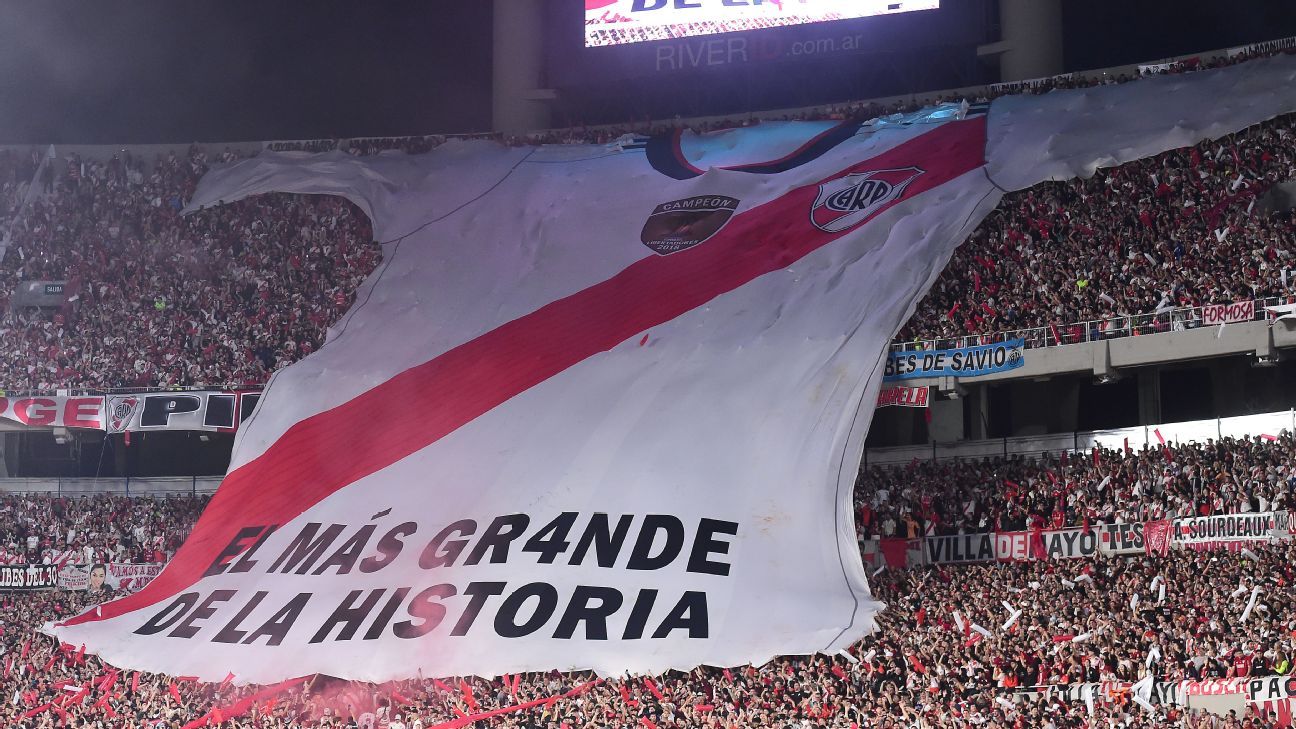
{"points": [[1149, 396], [519, 104], [1032, 39]]}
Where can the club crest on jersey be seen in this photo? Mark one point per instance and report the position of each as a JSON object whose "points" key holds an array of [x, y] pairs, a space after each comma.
{"points": [[849, 200], [679, 225]]}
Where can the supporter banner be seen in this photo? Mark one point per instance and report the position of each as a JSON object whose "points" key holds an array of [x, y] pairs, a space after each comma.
{"points": [[1265, 47], [1121, 538], [190, 410], [558, 430], [1147, 68], [967, 362], [1238, 311], [1031, 83], [1012, 546], [119, 577], [56, 411], [909, 397], [17, 578], [1229, 531], [1256, 689]]}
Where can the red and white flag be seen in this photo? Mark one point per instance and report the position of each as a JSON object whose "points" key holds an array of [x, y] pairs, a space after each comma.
{"points": [[484, 472]]}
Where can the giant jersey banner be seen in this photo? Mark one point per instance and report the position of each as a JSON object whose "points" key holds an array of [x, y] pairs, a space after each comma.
{"points": [[602, 406]]}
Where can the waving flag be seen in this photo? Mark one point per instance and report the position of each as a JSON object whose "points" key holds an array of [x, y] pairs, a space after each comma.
{"points": [[602, 407]]}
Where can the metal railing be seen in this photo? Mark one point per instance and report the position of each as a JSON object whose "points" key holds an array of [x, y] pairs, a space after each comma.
{"points": [[1094, 330]]}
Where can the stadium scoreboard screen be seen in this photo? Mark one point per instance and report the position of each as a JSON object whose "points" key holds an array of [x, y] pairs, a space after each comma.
{"points": [[617, 22]]}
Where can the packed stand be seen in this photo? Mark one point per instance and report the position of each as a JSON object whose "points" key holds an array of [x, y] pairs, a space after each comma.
{"points": [[957, 645], [1105, 486], [1181, 229], [1079, 622], [222, 297], [87, 530], [226, 296]]}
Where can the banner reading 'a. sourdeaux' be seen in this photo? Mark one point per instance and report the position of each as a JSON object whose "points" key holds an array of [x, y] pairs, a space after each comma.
{"points": [[604, 406], [967, 362], [1230, 531]]}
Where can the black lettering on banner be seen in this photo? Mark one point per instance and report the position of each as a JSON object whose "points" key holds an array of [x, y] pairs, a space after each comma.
{"points": [[187, 629], [385, 615], [427, 610], [595, 618], [349, 553], [219, 412], [389, 547], [551, 540], [606, 541], [497, 537], [349, 615], [277, 627], [433, 556], [169, 615], [306, 548], [705, 544], [158, 409], [690, 614], [643, 606], [640, 556], [246, 563], [231, 633], [479, 592], [232, 550], [506, 618]]}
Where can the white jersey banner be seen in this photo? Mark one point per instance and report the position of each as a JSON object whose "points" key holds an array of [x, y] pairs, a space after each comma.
{"points": [[602, 407]]}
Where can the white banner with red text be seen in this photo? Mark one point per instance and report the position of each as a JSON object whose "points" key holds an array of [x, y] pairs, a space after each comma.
{"points": [[908, 397], [1234, 313]]}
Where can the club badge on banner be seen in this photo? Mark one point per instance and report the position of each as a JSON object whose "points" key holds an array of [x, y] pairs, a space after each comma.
{"points": [[967, 362], [558, 471]]}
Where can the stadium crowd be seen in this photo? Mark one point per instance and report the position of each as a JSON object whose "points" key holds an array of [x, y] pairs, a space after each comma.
{"points": [[225, 296], [222, 297], [1227, 476], [1179, 617]]}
